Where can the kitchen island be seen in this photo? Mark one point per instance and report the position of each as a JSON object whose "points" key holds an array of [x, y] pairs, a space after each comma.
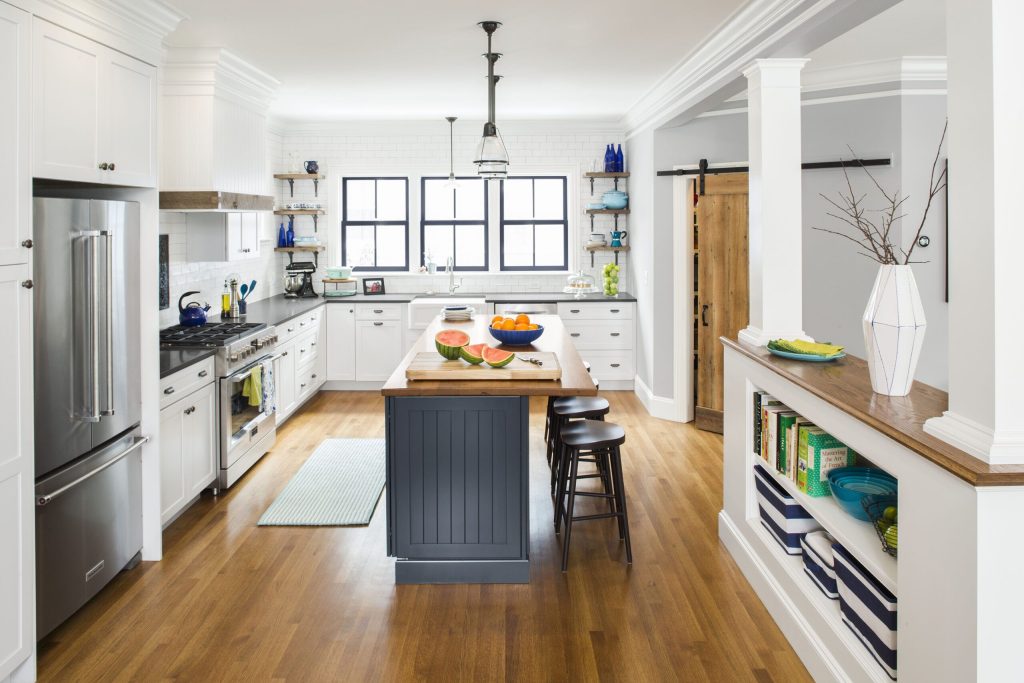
{"points": [[458, 463]]}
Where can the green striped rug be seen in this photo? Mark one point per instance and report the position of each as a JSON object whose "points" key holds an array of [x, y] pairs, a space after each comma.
{"points": [[338, 485]]}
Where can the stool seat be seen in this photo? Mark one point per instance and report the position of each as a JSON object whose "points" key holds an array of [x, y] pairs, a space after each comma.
{"points": [[592, 435], [580, 406]]}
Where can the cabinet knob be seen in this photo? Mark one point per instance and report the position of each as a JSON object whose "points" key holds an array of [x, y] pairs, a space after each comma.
{"points": [[312, 343], [111, 166], [28, 244], [104, 166], [312, 376], [302, 386], [27, 284], [291, 329], [169, 390]]}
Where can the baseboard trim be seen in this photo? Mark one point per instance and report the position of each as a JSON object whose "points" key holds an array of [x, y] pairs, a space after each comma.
{"points": [[811, 650], [657, 406]]}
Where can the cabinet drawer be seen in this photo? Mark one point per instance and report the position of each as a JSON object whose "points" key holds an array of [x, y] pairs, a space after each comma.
{"points": [[611, 365], [184, 382], [593, 334], [293, 327], [306, 349], [585, 310], [309, 379], [379, 311]]}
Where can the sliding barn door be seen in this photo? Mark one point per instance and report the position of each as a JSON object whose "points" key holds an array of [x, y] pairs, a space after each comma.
{"points": [[722, 282]]}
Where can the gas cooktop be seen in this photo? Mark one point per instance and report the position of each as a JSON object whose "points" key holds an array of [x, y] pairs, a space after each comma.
{"points": [[210, 335]]}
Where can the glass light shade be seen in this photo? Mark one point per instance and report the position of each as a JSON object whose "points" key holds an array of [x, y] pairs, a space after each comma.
{"points": [[492, 157]]}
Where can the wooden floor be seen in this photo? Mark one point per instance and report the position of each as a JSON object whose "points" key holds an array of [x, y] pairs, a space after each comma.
{"points": [[233, 602]]}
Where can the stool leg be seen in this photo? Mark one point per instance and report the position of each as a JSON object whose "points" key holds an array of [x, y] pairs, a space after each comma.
{"points": [[573, 454], [621, 503], [604, 466], [547, 427], [563, 474], [554, 451]]}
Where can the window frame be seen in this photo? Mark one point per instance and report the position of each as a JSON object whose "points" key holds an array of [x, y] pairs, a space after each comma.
{"points": [[564, 222], [345, 222], [424, 222]]}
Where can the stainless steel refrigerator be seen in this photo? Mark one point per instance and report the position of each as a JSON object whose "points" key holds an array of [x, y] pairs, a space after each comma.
{"points": [[87, 400]]}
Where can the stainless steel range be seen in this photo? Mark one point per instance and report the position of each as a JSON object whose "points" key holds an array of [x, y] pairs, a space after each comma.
{"points": [[247, 431]]}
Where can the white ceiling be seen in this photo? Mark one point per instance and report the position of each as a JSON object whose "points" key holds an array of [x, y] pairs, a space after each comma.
{"points": [[408, 59]]}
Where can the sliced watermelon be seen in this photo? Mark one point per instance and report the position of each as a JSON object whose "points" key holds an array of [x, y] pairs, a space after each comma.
{"points": [[497, 358], [473, 353], [450, 342]]}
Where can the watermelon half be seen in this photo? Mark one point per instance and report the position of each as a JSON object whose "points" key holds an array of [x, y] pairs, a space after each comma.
{"points": [[449, 343], [473, 354], [497, 358]]}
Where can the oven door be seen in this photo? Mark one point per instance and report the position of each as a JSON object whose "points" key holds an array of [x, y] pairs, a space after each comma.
{"points": [[241, 424]]}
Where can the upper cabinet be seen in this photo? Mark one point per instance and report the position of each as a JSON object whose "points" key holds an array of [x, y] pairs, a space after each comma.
{"points": [[15, 177], [94, 111]]}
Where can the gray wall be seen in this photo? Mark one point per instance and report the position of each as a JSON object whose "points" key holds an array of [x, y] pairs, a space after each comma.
{"points": [[836, 280]]}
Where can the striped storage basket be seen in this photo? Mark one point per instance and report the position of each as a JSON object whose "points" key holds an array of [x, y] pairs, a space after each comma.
{"points": [[867, 608], [819, 563], [786, 519]]}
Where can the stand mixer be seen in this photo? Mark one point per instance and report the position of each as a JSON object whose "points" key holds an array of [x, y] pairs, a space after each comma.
{"points": [[298, 280]]}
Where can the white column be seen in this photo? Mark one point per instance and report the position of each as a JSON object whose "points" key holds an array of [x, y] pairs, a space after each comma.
{"points": [[776, 272], [986, 231]]}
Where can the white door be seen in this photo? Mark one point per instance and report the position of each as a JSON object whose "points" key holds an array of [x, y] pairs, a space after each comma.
{"points": [[128, 120], [173, 446], [284, 378], [378, 349], [17, 509], [340, 348], [15, 171], [66, 104], [201, 435]]}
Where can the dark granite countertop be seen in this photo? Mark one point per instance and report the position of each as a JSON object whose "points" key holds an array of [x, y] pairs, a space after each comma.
{"points": [[172, 360], [554, 297]]}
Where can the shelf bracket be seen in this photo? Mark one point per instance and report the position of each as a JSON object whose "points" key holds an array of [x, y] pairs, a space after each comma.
{"points": [[315, 228], [316, 187], [291, 187], [616, 257], [616, 184], [591, 222], [591, 186], [591, 259]]}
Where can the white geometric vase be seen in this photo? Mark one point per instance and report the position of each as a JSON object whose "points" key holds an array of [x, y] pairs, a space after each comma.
{"points": [[894, 327]]}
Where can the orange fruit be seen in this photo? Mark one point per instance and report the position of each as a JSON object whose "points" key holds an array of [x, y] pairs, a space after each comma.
{"points": [[522, 328], [533, 326], [522, 319], [496, 320], [508, 324]]}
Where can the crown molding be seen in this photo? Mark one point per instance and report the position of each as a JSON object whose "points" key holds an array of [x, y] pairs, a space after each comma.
{"points": [[759, 29], [215, 71], [611, 129], [135, 27], [930, 70]]}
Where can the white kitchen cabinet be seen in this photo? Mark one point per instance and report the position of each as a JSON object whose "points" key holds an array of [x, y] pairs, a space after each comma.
{"points": [[604, 333], [378, 348], [301, 367], [17, 463], [222, 236], [94, 111], [188, 449], [284, 379], [17, 509], [340, 347]]}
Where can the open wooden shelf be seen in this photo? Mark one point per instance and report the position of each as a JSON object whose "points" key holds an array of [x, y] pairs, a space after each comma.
{"points": [[337, 280], [603, 174], [299, 176], [605, 247], [299, 212], [617, 212], [295, 250]]}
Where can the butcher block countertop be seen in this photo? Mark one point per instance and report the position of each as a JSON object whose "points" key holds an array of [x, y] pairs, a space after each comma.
{"points": [[575, 381]]}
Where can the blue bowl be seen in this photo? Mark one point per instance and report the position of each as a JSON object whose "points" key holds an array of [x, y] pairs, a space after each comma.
{"points": [[850, 485], [517, 337], [615, 200]]}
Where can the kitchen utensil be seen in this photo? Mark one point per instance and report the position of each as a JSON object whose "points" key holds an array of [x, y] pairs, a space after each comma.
{"points": [[849, 485], [193, 313], [874, 508], [244, 290], [429, 365], [597, 206], [597, 238], [615, 199], [292, 284], [617, 237], [338, 272], [531, 360], [247, 291], [312, 167], [516, 337]]}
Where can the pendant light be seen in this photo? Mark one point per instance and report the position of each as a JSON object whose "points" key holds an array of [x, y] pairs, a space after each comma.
{"points": [[453, 182], [491, 155]]}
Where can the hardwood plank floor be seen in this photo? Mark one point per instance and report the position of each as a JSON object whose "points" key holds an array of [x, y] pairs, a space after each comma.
{"points": [[231, 601]]}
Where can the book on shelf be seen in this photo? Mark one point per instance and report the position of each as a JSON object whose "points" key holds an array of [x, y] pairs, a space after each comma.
{"points": [[820, 453], [793, 446], [786, 421], [766, 401], [758, 396], [772, 435]]}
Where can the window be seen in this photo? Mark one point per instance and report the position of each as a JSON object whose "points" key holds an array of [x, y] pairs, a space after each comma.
{"points": [[453, 222], [534, 227], [375, 223]]}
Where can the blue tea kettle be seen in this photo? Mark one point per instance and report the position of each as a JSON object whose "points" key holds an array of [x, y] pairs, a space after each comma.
{"points": [[192, 314]]}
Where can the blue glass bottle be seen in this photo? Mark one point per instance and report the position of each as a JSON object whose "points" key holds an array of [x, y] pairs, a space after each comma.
{"points": [[620, 165], [282, 237], [290, 235], [609, 159]]}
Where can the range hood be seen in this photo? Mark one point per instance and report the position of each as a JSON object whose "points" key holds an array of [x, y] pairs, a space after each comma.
{"points": [[213, 137]]}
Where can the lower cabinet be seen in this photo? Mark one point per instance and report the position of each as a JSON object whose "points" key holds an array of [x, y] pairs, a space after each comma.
{"points": [[188, 450], [300, 368], [378, 349], [284, 377], [341, 342]]}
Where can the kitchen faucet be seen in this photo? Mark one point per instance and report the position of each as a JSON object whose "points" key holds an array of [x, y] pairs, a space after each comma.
{"points": [[451, 276]]}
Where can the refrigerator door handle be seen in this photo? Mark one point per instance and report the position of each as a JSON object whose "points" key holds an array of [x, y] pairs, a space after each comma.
{"points": [[86, 328], [47, 498], [108, 390]]}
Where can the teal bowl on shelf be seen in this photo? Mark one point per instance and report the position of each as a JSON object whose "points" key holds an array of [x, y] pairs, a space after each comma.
{"points": [[615, 199], [850, 485], [517, 337]]}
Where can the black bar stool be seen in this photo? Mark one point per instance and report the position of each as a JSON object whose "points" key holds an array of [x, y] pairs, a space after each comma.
{"points": [[563, 410], [549, 418], [601, 439]]}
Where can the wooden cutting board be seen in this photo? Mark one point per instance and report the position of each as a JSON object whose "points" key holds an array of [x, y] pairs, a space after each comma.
{"points": [[428, 365]]}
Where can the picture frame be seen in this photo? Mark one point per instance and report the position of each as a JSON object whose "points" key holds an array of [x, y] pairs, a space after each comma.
{"points": [[373, 286]]}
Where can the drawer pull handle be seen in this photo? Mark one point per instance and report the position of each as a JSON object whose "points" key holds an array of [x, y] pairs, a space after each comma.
{"points": [[291, 329], [302, 386], [614, 310], [378, 310], [284, 353], [574, 310], [203, 373], [302, 324], [312, 343], [190, 410], [312, 376], [377, 324], [615, 334], [615, 365], [574, 334], [302, 350], [169, 390]]}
